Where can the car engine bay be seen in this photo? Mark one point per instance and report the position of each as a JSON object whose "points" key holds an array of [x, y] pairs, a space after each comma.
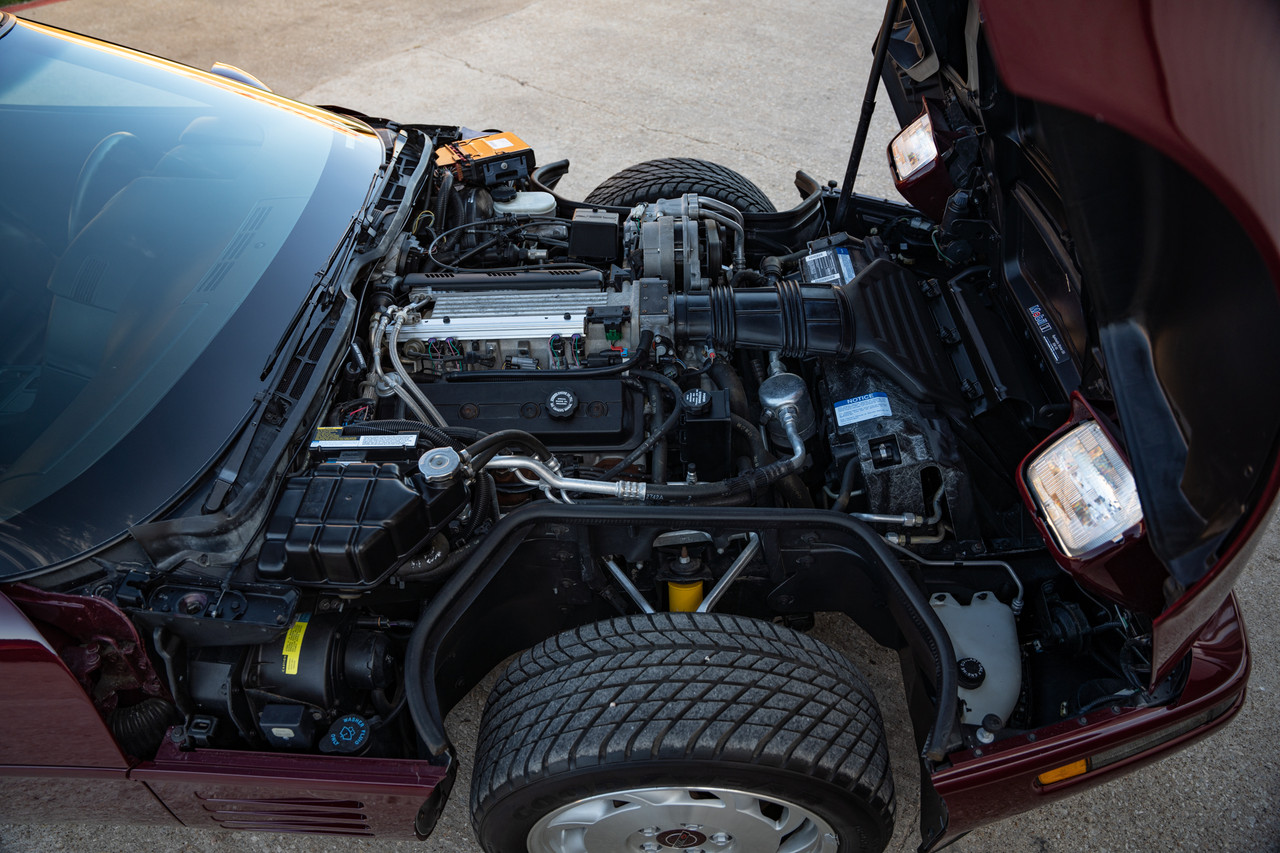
{"points": [[514, 348]]}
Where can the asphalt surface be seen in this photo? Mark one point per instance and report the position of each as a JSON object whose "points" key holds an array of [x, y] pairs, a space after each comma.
{"points": [[763, 88]]}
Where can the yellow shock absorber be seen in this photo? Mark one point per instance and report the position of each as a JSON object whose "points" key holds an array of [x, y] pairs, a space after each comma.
{"points": [[684, 596]]}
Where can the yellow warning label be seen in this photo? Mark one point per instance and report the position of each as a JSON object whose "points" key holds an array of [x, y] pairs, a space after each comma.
{"points": [[293, 644], [328, 433]]}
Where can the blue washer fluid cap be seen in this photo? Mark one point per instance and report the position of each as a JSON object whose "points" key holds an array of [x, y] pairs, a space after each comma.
{"points": [[348, 734]]}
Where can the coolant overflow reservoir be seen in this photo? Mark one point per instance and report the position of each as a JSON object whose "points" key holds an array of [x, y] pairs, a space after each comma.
{"points": [[985, 639]]}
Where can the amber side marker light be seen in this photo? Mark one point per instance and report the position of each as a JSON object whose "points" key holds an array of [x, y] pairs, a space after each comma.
{"points": [[1066, 771]]}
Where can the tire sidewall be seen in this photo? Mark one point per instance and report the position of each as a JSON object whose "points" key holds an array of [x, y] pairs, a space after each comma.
{"points": [[504, 826]]}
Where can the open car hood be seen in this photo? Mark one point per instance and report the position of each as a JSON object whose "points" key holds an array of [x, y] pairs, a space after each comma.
{"points": [[1169, 211]]}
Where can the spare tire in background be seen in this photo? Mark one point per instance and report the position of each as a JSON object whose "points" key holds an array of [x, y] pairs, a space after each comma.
{"points": [[672, 177], [682, 730]]}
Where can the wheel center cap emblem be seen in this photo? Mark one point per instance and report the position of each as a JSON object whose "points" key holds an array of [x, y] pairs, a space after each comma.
{"points": [[679, 839]]}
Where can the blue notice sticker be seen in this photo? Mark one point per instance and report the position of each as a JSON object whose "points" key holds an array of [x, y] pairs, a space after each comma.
{"points": [[864, 408]]}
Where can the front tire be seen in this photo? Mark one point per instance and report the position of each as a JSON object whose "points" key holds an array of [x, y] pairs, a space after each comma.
{"points": [[672, 177], [690, 731]]}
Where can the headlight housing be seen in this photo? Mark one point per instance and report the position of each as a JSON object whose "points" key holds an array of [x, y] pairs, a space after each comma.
{"points": [[1084, 490], [913, 149]]}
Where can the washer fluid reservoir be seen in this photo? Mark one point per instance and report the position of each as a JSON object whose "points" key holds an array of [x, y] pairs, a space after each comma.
{"points": [[985, 637]]}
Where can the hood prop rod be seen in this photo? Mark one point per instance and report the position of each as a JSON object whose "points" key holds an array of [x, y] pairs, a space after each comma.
{"points": [[868, 107]]}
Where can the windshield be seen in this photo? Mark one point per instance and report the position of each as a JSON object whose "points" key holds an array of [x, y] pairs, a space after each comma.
{"points": [[142, 205]]}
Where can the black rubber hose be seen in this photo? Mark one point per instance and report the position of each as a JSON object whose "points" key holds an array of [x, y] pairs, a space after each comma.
{"points": [[735, 499], [483, 499], [442, 200], [793, 492], [658, 434], [760, 455], [846, 485], [790, 488], [426, 563], [799, 320], [140, 728], [637, 359], [456, 209], [659, 466], [482, 508], [445, 569], [488, 447], [727, 379], [753, 482]]}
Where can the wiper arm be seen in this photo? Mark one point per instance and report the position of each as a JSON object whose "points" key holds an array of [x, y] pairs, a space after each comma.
{"points": [[231, 466], [320, 294]]}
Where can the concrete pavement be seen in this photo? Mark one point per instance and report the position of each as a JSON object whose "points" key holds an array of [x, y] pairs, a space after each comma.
{"points": [[764, 88]]}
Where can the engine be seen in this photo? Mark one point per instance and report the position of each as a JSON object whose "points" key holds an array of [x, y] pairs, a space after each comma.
{"points": [[514, 347], [671, 350]]}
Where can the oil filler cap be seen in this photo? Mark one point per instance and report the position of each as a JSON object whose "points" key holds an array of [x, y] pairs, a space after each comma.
{"points": [[562, 403], [972, 673], [348, 734]]}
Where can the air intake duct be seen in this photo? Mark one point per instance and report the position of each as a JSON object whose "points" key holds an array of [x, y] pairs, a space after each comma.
{"points": [[880, 318], [797, 319]]}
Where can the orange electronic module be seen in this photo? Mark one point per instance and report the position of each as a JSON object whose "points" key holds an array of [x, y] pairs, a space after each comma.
{"points": [[487, 161]]}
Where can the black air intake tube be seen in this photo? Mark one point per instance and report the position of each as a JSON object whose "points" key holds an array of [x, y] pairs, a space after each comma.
{"points": [[880, 318], [798, 319]]}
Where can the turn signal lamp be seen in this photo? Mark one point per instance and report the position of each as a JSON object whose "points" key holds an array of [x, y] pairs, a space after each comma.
{"points": [[1085, 490]]}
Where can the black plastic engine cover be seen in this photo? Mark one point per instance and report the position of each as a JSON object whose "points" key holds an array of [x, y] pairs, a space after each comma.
{"points": [[347, 525], [608, 416]]}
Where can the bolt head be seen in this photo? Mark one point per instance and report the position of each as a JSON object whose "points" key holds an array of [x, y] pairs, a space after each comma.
{"points": [[721, 838]]}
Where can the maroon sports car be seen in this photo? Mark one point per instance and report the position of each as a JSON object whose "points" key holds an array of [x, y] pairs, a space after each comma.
{"points": [[312, 418]]}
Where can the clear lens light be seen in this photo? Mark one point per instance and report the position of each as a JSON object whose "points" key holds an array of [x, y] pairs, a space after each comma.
{"points": [[913, 149], [1085, 490]]}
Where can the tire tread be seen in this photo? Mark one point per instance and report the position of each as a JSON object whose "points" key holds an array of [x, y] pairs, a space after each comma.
{"points": [[682, 686], [672, 177]]}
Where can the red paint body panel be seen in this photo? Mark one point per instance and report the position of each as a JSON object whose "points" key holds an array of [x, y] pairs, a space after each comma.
{"points": [[987, 785], [1200, 82], [40, 698], [96, 641], [274, 792], [58, 760]]}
